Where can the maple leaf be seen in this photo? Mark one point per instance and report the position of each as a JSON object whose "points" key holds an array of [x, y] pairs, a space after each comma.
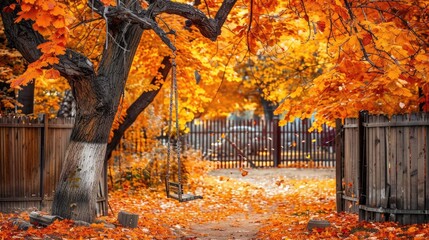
{"points": [[58, 11], [48, 5], [321, 25], [44, 20], [367, 39], [25, 8], [243, 172], [59, 23], [52, 73]]}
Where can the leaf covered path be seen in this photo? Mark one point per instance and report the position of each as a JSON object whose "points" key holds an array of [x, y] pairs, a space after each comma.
{"points": [[271, 181], [251, 204]]}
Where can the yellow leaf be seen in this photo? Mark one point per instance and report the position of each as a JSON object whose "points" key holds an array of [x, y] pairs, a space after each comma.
{"points": [[297, 92], [394, 72]]}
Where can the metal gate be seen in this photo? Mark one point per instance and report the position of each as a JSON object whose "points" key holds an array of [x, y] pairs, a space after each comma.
{"points": [[258, 143]]}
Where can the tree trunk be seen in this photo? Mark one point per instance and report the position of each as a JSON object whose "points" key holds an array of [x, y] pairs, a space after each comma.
{"points": [[269, 108], [76, 192], [26, 98], [97, 100]]}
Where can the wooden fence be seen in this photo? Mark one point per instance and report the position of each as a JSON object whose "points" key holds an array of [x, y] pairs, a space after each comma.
{"points": [[257, 143], [384, 169], [31, 156]]}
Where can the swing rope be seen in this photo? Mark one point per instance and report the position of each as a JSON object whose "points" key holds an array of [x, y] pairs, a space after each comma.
{"points": [[173, 94], [175, 189]]}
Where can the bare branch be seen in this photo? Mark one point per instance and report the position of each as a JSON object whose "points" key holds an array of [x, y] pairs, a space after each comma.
{"points": [[249, 27]]}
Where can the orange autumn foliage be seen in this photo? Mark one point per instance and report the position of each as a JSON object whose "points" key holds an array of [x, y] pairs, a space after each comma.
{"points": [[51, 19], [378, 59], [332, 58]]}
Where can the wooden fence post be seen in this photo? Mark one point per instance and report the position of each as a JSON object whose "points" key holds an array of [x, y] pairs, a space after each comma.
{"points": [[276, 141], [339, 171], [363, 116], [43, 154]]}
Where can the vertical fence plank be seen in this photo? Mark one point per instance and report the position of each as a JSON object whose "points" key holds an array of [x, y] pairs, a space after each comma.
{"points": [[426, 157], [407, 171], [413, 150], [293, 144], [401, 168], [351, 167], [371, 163], [384, 190], [276, 141], [339, 168], [363, 165], [393, 140]]}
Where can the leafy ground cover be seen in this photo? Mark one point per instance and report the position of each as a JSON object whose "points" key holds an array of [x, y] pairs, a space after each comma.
{"points": [[237, 204]]}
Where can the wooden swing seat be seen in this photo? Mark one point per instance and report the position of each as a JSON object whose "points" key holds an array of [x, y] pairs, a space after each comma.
{"points": [[175, 191]]}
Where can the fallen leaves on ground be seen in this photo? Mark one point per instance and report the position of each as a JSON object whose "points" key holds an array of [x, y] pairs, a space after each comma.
{"points": [[288, 205], [307, 199]]}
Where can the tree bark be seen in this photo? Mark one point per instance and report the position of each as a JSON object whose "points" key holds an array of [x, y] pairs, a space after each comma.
{"points": [[67, 106], [269, 108], [26, 98]]}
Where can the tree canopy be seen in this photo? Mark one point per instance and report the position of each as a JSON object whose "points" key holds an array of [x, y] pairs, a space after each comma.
{"points": [[379, 59], [332, 58]]}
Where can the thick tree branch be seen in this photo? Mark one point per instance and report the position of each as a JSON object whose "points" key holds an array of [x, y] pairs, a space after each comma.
{"points": [[137, 107], [209, 27], [122, 14]]}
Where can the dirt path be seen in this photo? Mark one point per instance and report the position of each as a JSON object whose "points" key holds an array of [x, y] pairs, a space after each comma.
{"points": [[245, 226], [238, 226]]}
